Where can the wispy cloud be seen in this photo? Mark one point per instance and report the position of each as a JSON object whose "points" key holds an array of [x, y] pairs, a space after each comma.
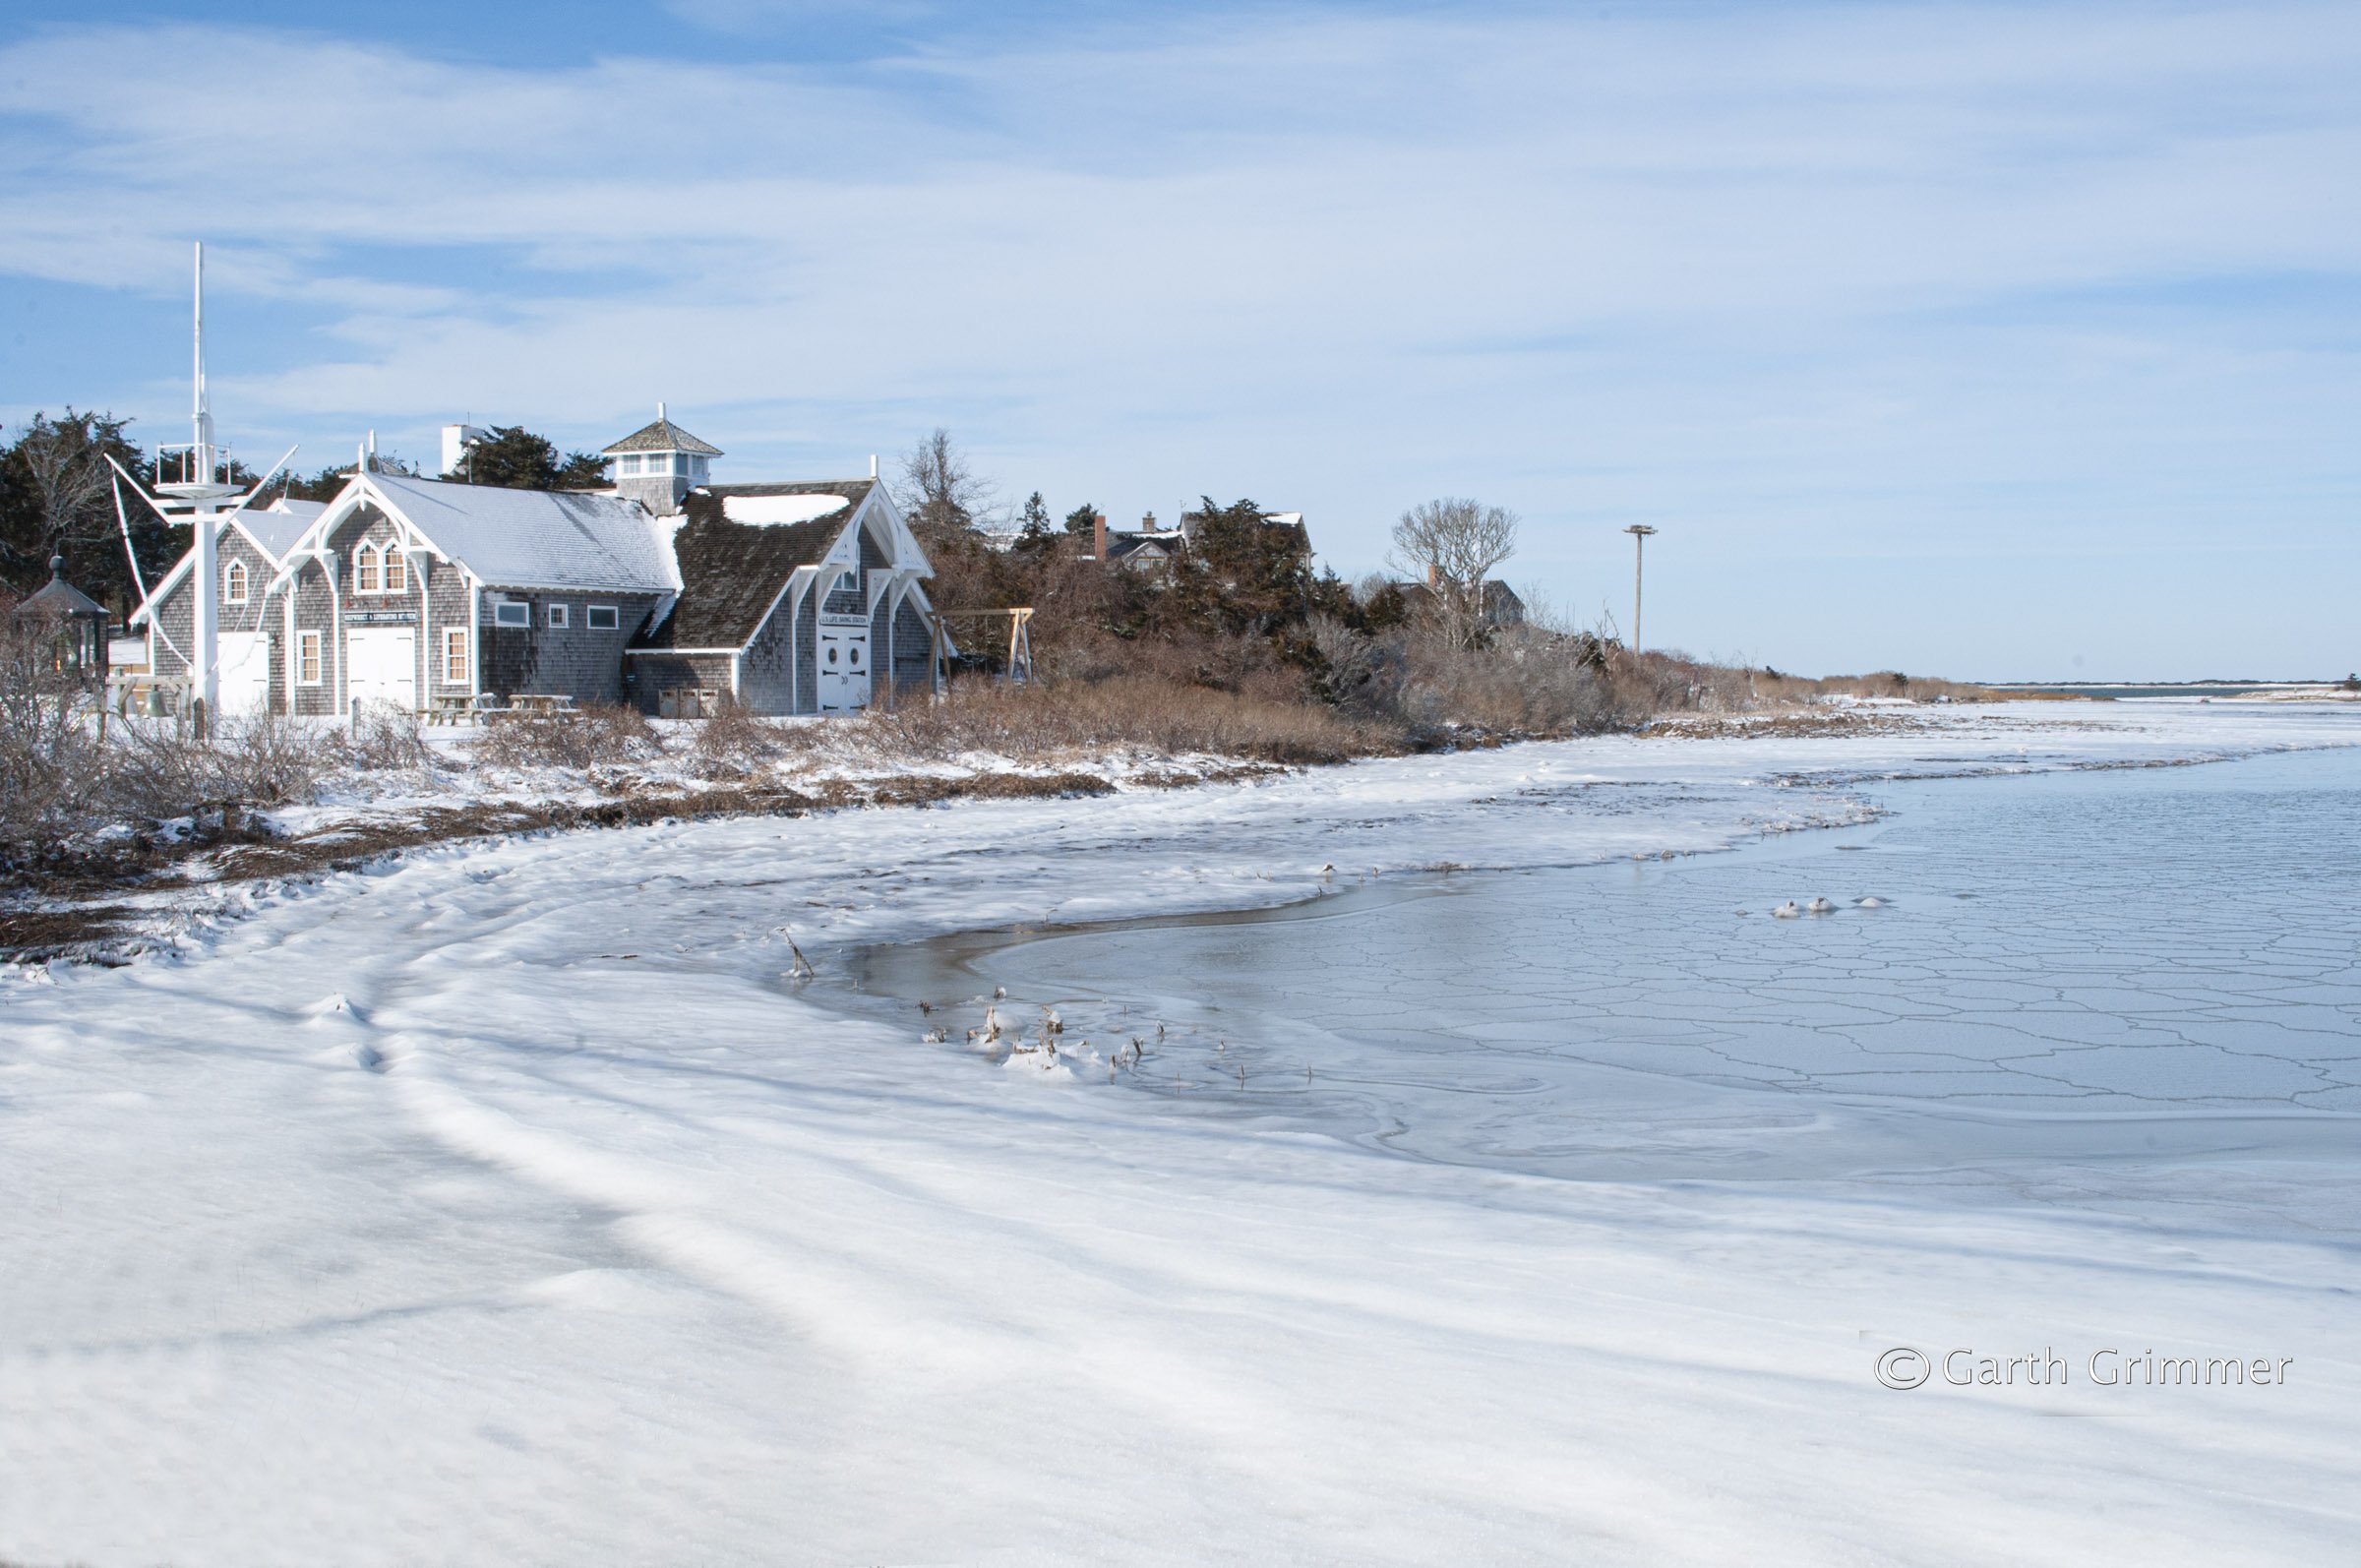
{"points": [[1763, 270]]}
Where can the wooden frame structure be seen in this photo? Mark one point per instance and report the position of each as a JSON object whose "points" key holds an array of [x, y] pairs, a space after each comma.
{"points": [[1020, 638]]}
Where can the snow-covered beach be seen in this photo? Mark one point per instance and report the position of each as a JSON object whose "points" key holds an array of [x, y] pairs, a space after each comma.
{"points": [[514, 1204]]}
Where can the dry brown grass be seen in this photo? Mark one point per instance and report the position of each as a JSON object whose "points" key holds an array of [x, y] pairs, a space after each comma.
{"points": [[1050, 721]]}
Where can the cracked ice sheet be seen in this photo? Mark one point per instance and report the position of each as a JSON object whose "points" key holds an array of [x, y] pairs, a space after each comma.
{"points": [[503, 1208]]}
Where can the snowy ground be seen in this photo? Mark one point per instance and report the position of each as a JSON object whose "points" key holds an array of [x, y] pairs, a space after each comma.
{"points": [[512, 1206]]}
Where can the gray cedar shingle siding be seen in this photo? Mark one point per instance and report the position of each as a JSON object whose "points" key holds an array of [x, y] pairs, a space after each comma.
{"points": [[651, 675], [176, 614], [913, 650], [572, 660]]}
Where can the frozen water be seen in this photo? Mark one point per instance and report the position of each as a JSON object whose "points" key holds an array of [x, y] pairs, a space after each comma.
{"points": [[2104, 972]]}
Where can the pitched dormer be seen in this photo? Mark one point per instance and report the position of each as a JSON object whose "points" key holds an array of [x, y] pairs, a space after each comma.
{"points": [[660, 463]]}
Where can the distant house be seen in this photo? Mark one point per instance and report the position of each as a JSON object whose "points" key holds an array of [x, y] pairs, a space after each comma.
{"points": [[1146, 548], [1502, 605], [1153, 549], [796, 598]]}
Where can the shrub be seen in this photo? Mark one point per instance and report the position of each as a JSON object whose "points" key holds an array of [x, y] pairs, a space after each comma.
{"points": [[160, 770], [732, 742], [581, 738], [385, 738]]}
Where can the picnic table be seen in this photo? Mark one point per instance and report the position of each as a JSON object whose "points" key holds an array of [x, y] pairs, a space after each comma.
{"points": [[452, 710], [540, 702]]}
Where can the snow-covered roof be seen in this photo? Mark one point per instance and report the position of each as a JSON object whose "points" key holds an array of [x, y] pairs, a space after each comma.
{"points": [[768, 512], [276, 526], [537, 538], [662, 436]]}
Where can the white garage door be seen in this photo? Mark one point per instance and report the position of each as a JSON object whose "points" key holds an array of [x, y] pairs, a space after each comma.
{"points": [[381, 665], [245, 671]]}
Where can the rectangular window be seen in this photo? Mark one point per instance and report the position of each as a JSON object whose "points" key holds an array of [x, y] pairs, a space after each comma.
{"points": [[605, 618], [455, 655], [628, 463], [306, 658], [365, 575], [560, 617], [397, 578], [511, 612]]}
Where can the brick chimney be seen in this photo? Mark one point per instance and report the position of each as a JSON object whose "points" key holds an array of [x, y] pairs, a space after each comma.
{"points": [[1435, 574], [1098, 535]]}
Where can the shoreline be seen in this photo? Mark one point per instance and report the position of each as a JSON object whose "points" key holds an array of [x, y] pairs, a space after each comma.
{"points": [[204, 879]]}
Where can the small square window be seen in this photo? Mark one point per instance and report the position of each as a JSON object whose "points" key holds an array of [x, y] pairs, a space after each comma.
{"points": [[512, 612], [604, 618], [559, 616]]}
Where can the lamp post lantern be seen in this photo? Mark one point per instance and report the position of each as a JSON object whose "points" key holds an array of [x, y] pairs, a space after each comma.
{"points": [[1639, 532]]}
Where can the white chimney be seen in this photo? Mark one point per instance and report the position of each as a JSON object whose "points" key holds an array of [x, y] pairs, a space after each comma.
{"points": [[457, 439]]}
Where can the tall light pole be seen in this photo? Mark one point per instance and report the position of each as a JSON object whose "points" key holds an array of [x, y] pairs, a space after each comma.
{"points": [[1639, 532]]}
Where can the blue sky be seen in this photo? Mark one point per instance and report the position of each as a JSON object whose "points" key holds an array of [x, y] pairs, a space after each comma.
{"points": [[1993, 340]]}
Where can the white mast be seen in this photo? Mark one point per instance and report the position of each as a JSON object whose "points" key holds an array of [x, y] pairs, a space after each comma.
{"points": [[201, 489]]}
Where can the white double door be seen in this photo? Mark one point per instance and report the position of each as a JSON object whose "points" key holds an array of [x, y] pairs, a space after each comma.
{"points": [[381, 666], [242, 671], [843, 663]]}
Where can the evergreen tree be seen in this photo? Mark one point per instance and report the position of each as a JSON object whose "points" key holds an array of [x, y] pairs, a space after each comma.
{"points": [[517, 460], [1082, 519], [1033, 524]]}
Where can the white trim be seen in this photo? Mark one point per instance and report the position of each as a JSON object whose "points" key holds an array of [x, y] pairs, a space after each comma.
{"points": [[500, 607], [666, 653], [442, 655], [591, 613], [475, 620], [557, 617], [316, 638]]}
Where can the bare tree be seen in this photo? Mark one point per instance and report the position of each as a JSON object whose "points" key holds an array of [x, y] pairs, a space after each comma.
{"points": [[939, 493], [1453, 545], [59, 473]]}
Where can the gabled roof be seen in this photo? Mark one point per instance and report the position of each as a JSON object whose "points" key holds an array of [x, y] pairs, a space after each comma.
{"points": [[275, 529], [662, 436], [1124, 546], [734, 565], [537, 538]]}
